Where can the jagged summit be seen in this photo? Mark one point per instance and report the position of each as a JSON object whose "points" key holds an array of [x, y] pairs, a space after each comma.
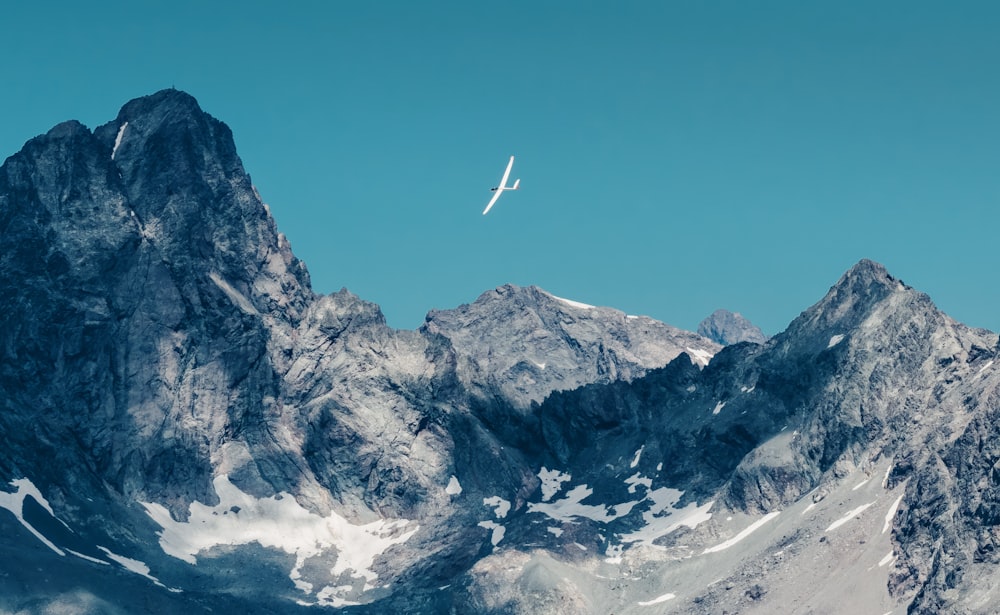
{"points": [[165, 142], [867, 275], [850, 301], [165, 101]]}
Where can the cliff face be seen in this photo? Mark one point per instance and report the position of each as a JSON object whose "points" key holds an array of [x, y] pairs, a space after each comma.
{"points": [[177, 403]]}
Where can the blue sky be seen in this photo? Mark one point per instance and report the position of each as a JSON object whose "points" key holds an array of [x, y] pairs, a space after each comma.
{"points": [[675, 157]]}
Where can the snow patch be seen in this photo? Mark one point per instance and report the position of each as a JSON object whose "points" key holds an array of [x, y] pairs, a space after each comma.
{"points": [[234, 295], [718, 407], [571, 303], [498, 531], [14, 502], [887, 559], [663, 518], [892, 513], [850, 515], [279, 522], [332, 596], [836, 339], [579, 546], [860, 485], [501, 505], [659, 467], [658, 600], [885, 479], [988, 365], [88, 558], [636, 480], [134, 565], [555, 531], [737, 538], [700, 356], [614, 554], [571, 507], [454, 487], [638, 454], [552, 481], [118, 139]]}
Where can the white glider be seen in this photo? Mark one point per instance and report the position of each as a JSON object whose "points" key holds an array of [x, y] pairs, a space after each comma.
{"points": [[503, 186]]}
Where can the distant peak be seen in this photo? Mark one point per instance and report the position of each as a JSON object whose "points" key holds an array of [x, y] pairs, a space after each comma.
{"points": [[726, 328]]}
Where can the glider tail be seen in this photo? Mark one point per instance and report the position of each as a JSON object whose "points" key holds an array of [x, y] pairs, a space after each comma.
{"points": [[517, 182]]}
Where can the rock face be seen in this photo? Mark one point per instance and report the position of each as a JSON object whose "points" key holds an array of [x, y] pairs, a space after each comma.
{"points": [[186, 420], [727, 328]]}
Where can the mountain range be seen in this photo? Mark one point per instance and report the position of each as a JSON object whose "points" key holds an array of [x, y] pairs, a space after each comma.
{"points": [[188, 427]]}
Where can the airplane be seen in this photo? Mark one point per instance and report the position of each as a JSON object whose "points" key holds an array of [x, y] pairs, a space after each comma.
{"points": [[503, 186]]}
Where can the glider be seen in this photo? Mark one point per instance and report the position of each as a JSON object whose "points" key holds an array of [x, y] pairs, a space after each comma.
{"points": [[503, 186]]}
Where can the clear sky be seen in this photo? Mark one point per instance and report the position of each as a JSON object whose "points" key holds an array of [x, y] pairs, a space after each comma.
{"points": [[675, 157]]}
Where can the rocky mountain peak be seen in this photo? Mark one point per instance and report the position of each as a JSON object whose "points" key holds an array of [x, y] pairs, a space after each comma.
{"points": [[179, 170], [168, 131], [850, 302], [867, 278], [525, 343], [513, 298], [727, 328], [164, 145], [164, 102]]}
